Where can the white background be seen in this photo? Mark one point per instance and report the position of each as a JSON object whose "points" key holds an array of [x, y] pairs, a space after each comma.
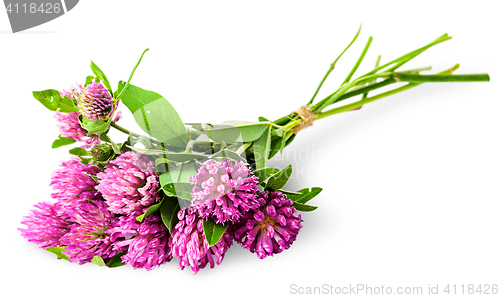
{"points": [[411, 183]]}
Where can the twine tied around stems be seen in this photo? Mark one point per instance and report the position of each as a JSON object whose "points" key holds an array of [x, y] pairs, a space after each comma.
{"points": [[307, 117]]}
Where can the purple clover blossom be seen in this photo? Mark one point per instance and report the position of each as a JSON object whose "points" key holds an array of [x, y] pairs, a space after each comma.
{"points": [[73, 183], [89, 236], [45, 225], [188, 242], [223, 190], [129, 183], [95, 102], [69, 126], [145, 242], [271, 227]]}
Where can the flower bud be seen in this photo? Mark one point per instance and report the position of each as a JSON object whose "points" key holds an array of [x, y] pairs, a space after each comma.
{"points": [[95, 102], [101, 152]]}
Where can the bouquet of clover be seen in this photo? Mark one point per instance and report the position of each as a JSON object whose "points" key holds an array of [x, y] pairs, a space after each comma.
{"points": [[184, 190]]}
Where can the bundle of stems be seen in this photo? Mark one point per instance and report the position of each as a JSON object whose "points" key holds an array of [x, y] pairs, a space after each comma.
{"points": [[381, 76]]}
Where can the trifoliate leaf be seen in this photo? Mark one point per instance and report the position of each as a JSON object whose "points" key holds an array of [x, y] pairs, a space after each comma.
{"points": [[116, 261], [278, 180], [59, 252], [168, 211], [97, 260], [237, 131], [264, 173], [101, 76], [155, 115], [78, 151], [226, 153], [289, 192], [261, 149], [61, 141], [180, 189], [95, 126], [303, 207], [53, 101], [213, 231], [305, 195], [152, 209]]}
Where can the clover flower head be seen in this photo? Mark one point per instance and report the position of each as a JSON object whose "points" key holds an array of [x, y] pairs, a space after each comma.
{"points": [[188, 242], [224, 190], [269, 228]]}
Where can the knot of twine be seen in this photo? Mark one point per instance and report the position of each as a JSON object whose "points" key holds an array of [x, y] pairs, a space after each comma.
{"points": [[307, 118]]}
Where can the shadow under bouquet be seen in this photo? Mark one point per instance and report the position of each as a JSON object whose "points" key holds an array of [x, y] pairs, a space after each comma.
{"points": [[185, 191]]}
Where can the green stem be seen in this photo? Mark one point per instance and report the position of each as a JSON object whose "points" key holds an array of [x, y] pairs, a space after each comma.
{"points": [[317, 108], [342, 90], [114, 146], [399, 61], [131, 74], [365, 83], [131, 133], [321, 83], [405, 58], [416, 70], [367, 88], [417, 78], [332, 66], [284, 120], [364, 101], [377, 63], [124, 130], [361, 103], [360, 59]]}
